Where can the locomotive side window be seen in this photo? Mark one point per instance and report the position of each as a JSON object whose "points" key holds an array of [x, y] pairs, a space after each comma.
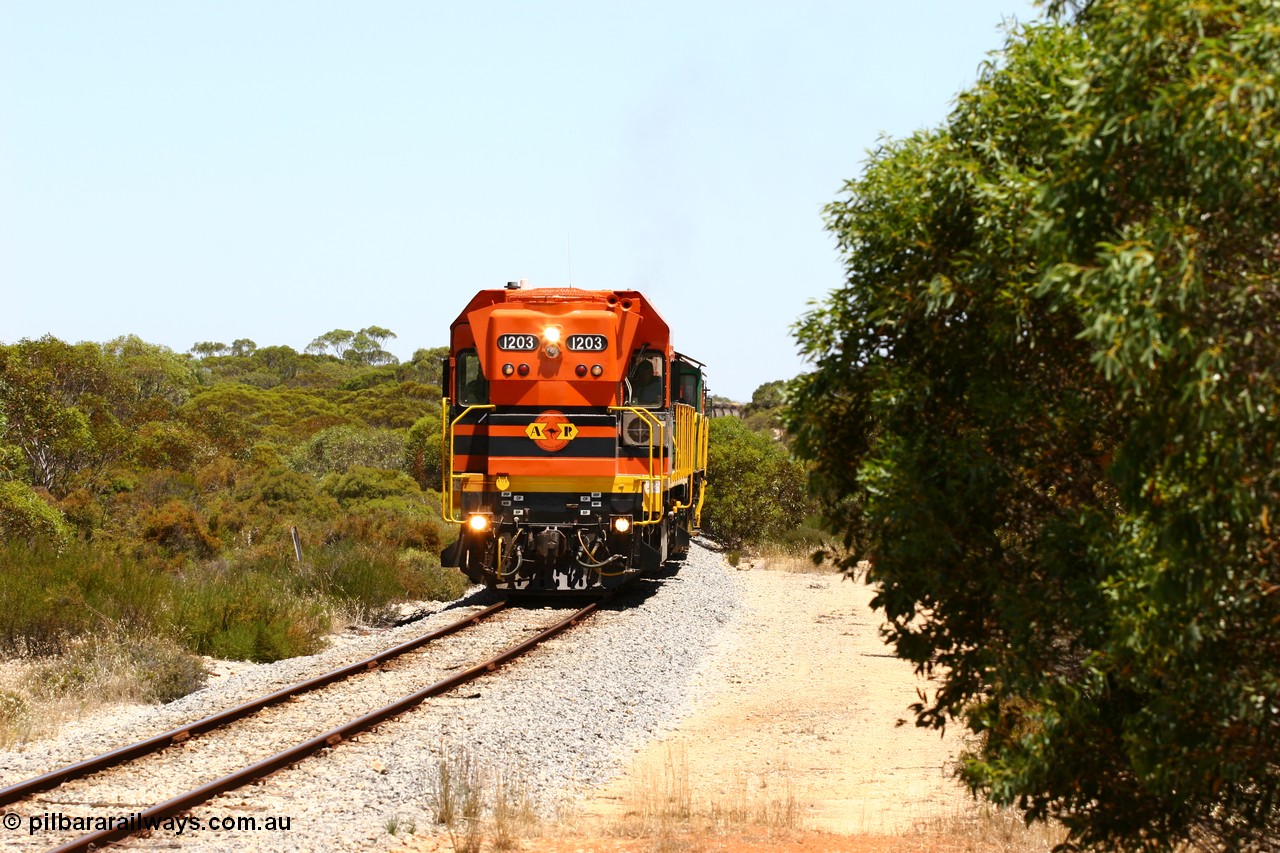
{"points": [[687, 384], [473, 388], [690, 387], [646, 379]]}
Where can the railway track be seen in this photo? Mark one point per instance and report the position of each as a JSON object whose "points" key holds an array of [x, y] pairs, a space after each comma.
{"points": [[293, 709]]}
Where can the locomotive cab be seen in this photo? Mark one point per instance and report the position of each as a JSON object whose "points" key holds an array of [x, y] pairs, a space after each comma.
{"points": [[574, 440]]}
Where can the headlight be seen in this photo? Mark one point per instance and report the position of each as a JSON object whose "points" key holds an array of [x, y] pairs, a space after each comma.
{"points": [[621, 523], [478, 523]]}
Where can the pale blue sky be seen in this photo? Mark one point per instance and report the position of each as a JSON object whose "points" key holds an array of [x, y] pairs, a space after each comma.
{"points": [[190, 171]]}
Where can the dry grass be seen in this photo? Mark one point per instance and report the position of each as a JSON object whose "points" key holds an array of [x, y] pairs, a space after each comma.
{"points": [[793, 559], [474, 802], [664, 815], [982, 829], [1004, 831], [663, 809], [40, 693], [479, 807]]}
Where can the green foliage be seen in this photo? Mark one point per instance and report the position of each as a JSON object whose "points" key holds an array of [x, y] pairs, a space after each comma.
{"points": [[24, 516], [262, 507], [394, 405], [767, 396], [362, 347], [237, 415], [422, 577], [338, 340], [188, 474], [366, 347], [756, 491], [150, 371], [1044, 405], [394, 521], [423, 451], [246, 615], [361, 484], [426, 367], [352, 571], [52, 397], [82, 510], [54, 594], [55, 599], [206, 349], [170, 444], [336, 449], [764, 412], [371, 378], [10, 454]]}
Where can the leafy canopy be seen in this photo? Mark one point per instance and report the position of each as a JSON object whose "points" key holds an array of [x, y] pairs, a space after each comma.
{"points": [[1044, 405], [755, 490]]}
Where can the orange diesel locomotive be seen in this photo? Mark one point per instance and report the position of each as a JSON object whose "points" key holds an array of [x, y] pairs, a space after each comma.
{"points": [[575, 440]]}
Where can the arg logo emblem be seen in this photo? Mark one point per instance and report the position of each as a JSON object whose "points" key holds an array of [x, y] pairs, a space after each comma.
{"points": [[552, 430]]}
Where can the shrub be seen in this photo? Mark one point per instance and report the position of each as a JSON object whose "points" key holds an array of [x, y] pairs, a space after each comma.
{"points": [[340, 448], [120, 668], [25, 516], [422, 451], [366, 574], [83, 511], [421, 577], [245, 615], [170, 444], [52, 595], [364, 484], [178, 529], [399, 524], [756, 491], [163, 669], [15, 716]]}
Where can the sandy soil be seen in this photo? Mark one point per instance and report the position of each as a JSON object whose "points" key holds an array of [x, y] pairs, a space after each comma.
{"points": [[803, 699]]}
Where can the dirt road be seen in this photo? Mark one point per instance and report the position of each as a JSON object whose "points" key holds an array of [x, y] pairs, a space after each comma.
{"points": [[802, 699]]}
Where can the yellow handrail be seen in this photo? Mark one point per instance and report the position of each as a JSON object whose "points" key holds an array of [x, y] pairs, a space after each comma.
{"points": [[691, 452], [447, 474], [651, 502]]}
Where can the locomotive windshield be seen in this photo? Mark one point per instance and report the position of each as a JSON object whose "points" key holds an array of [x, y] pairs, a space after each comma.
{"points": [[645, 379]]}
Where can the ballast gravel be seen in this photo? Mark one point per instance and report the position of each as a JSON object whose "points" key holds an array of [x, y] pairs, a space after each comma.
{"points": [[555, 723]]}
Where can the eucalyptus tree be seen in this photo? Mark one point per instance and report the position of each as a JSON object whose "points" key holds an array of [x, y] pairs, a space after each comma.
{"points": [[1045, 405]]}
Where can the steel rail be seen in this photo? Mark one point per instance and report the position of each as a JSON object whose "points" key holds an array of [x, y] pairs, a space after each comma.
{"points": [[80, 769], [331, 738]]}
